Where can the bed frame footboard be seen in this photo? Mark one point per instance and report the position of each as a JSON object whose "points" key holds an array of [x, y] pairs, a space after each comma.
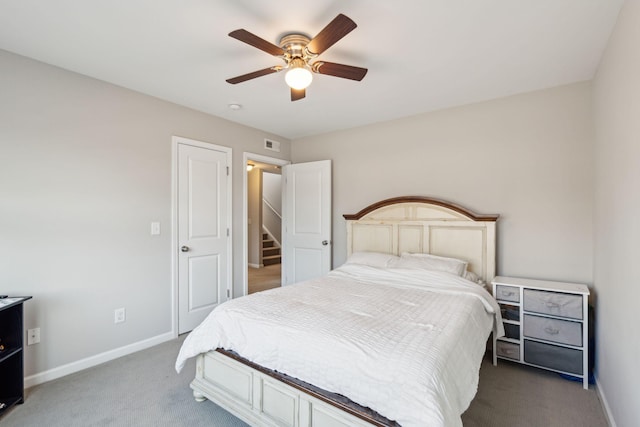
{"points": [[260, 399]]}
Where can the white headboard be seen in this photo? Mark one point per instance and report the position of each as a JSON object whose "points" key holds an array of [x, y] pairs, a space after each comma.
{"points": [[426, 225]]}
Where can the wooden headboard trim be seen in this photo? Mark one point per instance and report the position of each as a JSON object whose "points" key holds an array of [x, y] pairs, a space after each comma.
{"points": [[420, 199]]}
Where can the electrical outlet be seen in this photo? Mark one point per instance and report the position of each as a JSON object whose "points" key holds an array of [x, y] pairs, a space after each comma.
{"points": [[33, 336], [119, 315]]}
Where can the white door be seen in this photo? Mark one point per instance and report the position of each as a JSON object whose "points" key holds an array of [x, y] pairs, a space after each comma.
{"points": [[203, 242], [306, 221]]}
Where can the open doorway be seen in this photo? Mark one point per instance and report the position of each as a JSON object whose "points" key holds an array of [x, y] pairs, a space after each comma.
{"points": [[262, 222], [264, 226]]}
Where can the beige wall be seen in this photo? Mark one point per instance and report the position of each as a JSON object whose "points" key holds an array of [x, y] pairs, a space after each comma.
{"points": [[528, 158], [617, 218], [272, 213], [254, 216], [85, 166]]}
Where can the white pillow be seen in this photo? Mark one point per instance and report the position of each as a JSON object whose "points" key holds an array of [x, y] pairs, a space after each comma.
{"points": [[373, 259], [432, 262], [471, 276]]}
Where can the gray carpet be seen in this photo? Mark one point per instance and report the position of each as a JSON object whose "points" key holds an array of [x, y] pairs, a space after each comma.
{"points": [[143, 390], [515, 395]]}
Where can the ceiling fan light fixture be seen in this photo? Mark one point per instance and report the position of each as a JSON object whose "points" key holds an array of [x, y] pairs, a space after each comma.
{"points": [[297, 50], [298, 76]]}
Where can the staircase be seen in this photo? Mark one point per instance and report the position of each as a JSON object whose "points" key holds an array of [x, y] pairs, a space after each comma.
{"points": [[270, 252]]}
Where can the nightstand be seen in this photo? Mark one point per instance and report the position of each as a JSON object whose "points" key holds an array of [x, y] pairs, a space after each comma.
{"points": [[546, 325]]}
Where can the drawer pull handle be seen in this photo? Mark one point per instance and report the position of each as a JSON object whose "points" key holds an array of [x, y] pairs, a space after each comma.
{"points": [[551, 331], [552, 304], [508, 293]]}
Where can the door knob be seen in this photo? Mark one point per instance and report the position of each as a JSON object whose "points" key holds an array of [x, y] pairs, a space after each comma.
{"points": [[185, 249], [325, 242]]}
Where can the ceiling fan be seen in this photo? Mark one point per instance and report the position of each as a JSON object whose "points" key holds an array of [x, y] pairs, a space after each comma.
{"points": [[298, 51]]}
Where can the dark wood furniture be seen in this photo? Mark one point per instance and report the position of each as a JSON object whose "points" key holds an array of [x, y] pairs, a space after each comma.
{"points": [[11, 356]]}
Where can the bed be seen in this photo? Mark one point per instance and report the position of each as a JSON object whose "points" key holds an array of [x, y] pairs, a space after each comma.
{"points": [[382, 340]]}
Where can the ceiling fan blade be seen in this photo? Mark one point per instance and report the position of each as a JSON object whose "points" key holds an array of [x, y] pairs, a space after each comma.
{"points": [[339, 70], [255, 41], [253, 75], [297, 94], [334, 31]]}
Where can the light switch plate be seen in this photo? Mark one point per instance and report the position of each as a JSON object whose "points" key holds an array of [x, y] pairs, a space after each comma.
{"points": [[155, 228]]}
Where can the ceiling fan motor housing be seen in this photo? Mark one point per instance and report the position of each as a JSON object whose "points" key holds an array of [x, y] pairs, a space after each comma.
{"points": [[294, 46]]}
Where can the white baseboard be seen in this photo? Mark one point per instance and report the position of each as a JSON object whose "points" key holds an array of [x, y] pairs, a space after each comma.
{"points": [[605, 405], [255, 265], [92, 361]]}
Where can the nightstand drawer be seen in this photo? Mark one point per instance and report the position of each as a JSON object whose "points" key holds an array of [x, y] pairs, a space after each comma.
{"points": [[556, 330], [508, 350], [510, 312], [554, 357], [507, 293], [554, 303], [512, 331]]}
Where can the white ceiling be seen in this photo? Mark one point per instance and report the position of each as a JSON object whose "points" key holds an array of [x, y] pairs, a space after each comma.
{"points": [[422, 55]]}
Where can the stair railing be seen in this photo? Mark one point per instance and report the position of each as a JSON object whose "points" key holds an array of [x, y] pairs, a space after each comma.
{"points": [[272, 221]]}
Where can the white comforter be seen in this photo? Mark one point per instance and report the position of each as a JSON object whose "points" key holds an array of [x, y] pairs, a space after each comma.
{"points": [[406, 343]]}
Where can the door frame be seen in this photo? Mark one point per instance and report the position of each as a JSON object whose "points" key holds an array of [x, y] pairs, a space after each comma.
{"points": [[175, 140], [246, 157]]}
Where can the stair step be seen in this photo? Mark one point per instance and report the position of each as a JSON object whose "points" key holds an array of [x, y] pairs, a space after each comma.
{"points": [[270, 251], [271, 260], [268, 243]]}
